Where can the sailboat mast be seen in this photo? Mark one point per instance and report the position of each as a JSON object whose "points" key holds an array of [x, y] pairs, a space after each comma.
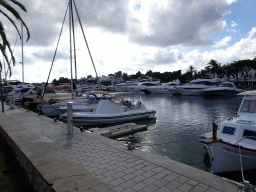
{"points": [[74, 42], [22, 61], [70, 38]]}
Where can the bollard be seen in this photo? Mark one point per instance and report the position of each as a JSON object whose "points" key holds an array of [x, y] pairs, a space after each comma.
{"points": [[12, 102], [129, 146], [70, 117]]}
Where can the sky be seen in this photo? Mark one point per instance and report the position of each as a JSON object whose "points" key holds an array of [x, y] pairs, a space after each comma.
{"points": [[132, 36]]}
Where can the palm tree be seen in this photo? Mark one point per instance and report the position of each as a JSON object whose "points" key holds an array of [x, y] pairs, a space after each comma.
{"points": [[214, 67], [191, 70], [4, 43]]}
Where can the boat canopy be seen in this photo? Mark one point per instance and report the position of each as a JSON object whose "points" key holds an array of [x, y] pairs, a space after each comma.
{"points": [[105, 107]]}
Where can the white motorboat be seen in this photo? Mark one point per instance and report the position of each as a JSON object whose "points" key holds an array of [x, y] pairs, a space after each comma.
{"points": [[115, 88], [164, 88], [108, 112], [141, 86], [196, 87], [233, 145], [224, 89]]}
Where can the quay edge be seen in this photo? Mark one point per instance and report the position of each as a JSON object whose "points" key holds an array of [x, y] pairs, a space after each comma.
{"points": [[56, 161]]}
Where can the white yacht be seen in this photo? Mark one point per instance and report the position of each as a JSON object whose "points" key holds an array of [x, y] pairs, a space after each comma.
{"points": [[232, 147], [115, 88], [224, 89], [164, 88], [196, 87], [141, 86], [108, 112]]}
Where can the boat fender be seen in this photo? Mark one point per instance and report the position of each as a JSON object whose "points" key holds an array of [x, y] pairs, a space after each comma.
{"points": [[214, 131]]}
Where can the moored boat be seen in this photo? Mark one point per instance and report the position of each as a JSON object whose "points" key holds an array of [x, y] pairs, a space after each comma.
{"points": [[234, 145], [196, 87], [224, 89], [108, 112], [164, 88]]}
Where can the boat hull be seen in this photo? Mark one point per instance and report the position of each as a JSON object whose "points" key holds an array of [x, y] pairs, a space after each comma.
{"points": [[221, 93], [190, 91], [225, 157], [102, 119]]}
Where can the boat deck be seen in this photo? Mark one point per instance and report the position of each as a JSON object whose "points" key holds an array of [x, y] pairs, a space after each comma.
{"points": [[57, 161]]}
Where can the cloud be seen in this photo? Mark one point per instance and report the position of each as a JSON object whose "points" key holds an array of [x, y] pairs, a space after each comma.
{"points": [[252, 32], [159, 58], [233, 24], [222, 42], [145, 22], [170, 25], [47, 55]]}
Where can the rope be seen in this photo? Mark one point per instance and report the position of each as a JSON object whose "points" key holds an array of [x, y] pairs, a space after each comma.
{"points": [[150, 144], [86, 43], [241, 163], [55, 53]]}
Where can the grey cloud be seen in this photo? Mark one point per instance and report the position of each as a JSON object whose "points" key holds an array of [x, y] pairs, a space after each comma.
{"points": [[183, 22], [47, 55], [160, 58]]}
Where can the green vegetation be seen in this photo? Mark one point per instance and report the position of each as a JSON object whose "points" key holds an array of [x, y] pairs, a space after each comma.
{"points": [[61, 80], [213, 68], [4, 43], [12, 176]]}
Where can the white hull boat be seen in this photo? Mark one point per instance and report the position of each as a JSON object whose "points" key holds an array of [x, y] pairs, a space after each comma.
{"points": [[165, 88], [197, 86], [141, 86], [224, 89], [234, 145], [108, 112]]}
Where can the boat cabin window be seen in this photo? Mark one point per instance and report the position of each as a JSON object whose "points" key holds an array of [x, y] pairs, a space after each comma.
{"points": [[229, 130], [249, 106], [250, 134]]}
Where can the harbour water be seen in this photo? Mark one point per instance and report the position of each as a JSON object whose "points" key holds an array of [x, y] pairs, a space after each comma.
{"points": [[175, 132]]}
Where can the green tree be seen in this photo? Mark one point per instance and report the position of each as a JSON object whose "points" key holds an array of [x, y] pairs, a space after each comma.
{"points": [[191, 70], [235, 70], [245, 68], [4, 43], [118, 74], [214, 67], [125, 77]]}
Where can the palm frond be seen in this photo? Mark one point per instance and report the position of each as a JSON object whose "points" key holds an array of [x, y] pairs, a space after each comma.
{"points": [[7, 16], [15, 13], [19, 4], [3, 51]]}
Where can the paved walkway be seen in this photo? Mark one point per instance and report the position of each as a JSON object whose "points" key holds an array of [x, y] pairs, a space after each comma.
{"points": [[111, 166]]}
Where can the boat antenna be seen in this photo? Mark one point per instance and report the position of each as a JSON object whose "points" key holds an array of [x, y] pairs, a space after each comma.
{"points": [[54, 55], [87, 44]]}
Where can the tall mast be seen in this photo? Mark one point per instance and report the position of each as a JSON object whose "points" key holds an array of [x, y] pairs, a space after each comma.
{"points": [[70, 38], [74, 42], [22, 61]]}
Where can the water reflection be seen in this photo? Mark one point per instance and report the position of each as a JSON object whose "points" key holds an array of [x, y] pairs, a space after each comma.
{"points": [[175, 133]]}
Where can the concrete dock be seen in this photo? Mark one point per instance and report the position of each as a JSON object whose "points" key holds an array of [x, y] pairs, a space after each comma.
{"points": [[57, 161]]}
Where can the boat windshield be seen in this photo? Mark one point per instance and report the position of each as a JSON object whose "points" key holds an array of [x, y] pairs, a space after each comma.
{"points": [[225, 85], [204, 83], [249, 106]]}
